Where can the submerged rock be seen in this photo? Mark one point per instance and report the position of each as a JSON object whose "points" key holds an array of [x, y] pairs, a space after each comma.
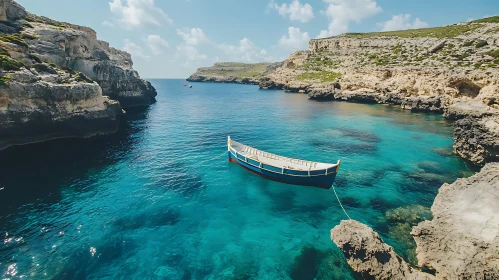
{"points": [[462, 241], [400, 222], [369, 256]]}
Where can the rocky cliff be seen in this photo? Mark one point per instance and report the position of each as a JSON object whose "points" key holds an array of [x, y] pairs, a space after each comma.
{"points": [[452, 70], [460, 242], [232, 72], [57, 80]]}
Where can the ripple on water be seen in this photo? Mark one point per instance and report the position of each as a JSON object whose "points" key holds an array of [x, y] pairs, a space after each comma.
{"points": [[145, 203]]}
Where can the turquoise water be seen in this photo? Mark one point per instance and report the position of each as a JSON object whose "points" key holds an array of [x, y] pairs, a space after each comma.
{"points": [[139, 205]]}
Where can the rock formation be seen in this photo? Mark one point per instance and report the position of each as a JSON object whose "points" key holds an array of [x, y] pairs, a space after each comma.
{"points": [[369, 256], [231, 72], [460, 242], [452, 70], [477, 139], [57, 80]]}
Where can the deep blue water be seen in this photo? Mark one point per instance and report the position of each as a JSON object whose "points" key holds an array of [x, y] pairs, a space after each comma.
{"points": [[139, 205]]}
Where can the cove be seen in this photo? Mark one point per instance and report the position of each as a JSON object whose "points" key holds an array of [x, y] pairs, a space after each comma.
{"points": [[139, 205]]}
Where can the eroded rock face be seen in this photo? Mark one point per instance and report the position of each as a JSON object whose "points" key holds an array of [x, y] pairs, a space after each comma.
{"points": [[77, 47], [369, 256], [462, 240], [38, 111], [44, 96], [477, 139], [456, 76]]}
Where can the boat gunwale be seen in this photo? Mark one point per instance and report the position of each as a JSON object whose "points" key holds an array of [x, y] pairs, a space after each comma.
{"points": [[234, 152], [286, 174]]}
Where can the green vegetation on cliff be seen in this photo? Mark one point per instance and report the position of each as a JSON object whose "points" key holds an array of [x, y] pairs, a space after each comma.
{"points": [[322, 76], [14, 39], [449, 31], [235, 71], [4, 80], [9, 64]]}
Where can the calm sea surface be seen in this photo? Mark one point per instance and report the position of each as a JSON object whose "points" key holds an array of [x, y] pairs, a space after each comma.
{"points": [[146, 204]]}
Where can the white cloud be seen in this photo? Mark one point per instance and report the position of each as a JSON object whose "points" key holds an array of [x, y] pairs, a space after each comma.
{"points": [[156, 44], [295, 10], [193, 37], [134, 49], [342, 12], [138, 13], [295, 40], [246, 51], [189, 52], [402, 22], [108, 23]]}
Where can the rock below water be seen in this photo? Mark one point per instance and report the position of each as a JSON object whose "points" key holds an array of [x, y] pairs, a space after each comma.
{"points": [[57, 80], [460, 242]]}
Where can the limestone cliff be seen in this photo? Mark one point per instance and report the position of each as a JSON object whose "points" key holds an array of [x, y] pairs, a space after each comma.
{"points": [[452, 70], [57, 80], [460, 242], [231, 72]]}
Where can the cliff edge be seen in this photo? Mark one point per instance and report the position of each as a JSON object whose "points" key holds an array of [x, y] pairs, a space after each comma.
{"points": [[57, 80]]}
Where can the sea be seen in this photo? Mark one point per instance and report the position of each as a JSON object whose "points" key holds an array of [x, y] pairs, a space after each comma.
{"points": [[159, 199]]}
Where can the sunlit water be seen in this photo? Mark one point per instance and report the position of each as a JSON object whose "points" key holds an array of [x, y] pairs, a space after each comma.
{"points": [[146, 204]]}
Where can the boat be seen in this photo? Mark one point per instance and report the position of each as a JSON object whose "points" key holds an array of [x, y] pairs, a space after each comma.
{"points": [[190, 86], [185, 85], [282, 169]]}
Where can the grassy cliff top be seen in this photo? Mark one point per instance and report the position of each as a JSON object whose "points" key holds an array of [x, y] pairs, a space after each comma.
{"points": [[237, 69], [448, 31]]}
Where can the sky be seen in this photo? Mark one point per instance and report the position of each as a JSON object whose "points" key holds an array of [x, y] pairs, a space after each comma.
{"points": [[172, 38]]}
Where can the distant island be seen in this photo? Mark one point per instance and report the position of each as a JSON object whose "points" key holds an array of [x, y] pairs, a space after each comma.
{"points": [[234, 72]]}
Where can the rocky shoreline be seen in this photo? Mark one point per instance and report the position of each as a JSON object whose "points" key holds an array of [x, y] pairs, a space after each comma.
{"points": [[451, 70], [460, 242], [58, 80]]}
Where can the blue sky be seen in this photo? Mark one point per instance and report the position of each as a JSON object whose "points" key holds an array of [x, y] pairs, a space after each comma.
{"points": [[170, 39]]}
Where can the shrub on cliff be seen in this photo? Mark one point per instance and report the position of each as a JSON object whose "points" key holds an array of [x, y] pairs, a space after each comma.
{"points": [[4, 52], [494, 54], [480, 44], [9, 64], [14, 39], [4, 80]]}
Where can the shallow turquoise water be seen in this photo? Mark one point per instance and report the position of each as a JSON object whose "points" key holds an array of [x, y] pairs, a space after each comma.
{"points": [[139, 205]]}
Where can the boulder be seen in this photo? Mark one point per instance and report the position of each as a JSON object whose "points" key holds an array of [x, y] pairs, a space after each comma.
{"points": [[369, 256], [462, 240], [477, 139]]}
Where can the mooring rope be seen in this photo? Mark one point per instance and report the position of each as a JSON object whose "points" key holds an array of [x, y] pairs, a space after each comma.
{"points": [[340, 203]]}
